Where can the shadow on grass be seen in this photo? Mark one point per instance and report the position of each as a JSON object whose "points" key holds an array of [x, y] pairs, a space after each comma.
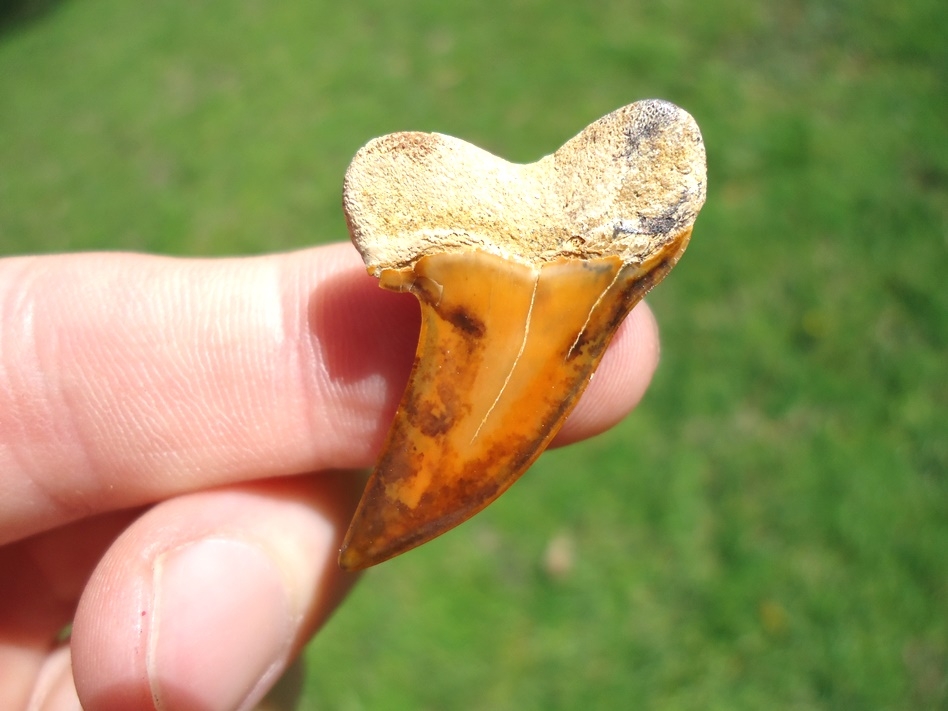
{"points": [[15, 13]]}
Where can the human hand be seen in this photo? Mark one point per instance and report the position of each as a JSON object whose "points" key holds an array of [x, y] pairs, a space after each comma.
{"points": [[173, 440]]}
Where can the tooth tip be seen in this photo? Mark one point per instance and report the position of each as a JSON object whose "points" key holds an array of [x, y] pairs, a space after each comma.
{"points": [[378, 531], [359, 551], [352, 560], [367, 545]]}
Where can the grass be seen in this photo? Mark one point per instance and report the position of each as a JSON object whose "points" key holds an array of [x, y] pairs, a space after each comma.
{"points": [[770, 528]]}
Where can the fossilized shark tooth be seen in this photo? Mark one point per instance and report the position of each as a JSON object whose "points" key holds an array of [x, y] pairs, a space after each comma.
{"points": [[524, 273]]}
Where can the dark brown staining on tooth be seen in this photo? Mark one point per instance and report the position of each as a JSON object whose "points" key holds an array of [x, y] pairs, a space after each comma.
{"points": [[648, 124], [674, 219], [437, 417], [579, 347], [430, 422], [465, 321]]}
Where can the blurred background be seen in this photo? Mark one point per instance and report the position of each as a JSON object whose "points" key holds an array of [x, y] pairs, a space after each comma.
{"points": [[769, 529]]}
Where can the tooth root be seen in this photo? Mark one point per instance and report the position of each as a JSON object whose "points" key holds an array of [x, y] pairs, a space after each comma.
{"points": [[504, 353]]}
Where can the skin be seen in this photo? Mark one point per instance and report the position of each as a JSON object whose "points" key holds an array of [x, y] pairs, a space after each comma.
{"points": [[177, 440]]}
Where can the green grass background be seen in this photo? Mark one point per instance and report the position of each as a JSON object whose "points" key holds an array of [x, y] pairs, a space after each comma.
{"points": [[770, 528]]}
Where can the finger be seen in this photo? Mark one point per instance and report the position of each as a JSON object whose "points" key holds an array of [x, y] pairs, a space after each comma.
{"points": [[54, 689], [204, 600], [196, 373], [189, 373], [41, 579]]}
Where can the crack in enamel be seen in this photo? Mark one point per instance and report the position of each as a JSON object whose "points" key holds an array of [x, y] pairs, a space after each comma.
{"points": [[513, 367], [582, 330]]}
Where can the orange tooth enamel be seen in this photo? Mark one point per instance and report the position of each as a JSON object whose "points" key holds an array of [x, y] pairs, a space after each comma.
{"points": [[504, 353], [507, 343]]}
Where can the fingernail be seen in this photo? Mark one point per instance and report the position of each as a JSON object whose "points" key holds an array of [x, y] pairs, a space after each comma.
{"points": [[220, 626]]}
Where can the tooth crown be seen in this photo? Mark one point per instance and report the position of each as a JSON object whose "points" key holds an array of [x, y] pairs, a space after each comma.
{"points": [[626, 186], [523, 274]]}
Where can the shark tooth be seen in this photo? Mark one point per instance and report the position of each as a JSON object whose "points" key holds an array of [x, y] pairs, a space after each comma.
{"points": [[523, 274]]}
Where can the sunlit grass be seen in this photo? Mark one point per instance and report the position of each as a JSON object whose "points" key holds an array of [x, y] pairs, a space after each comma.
{"points": [[770, 528]]}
